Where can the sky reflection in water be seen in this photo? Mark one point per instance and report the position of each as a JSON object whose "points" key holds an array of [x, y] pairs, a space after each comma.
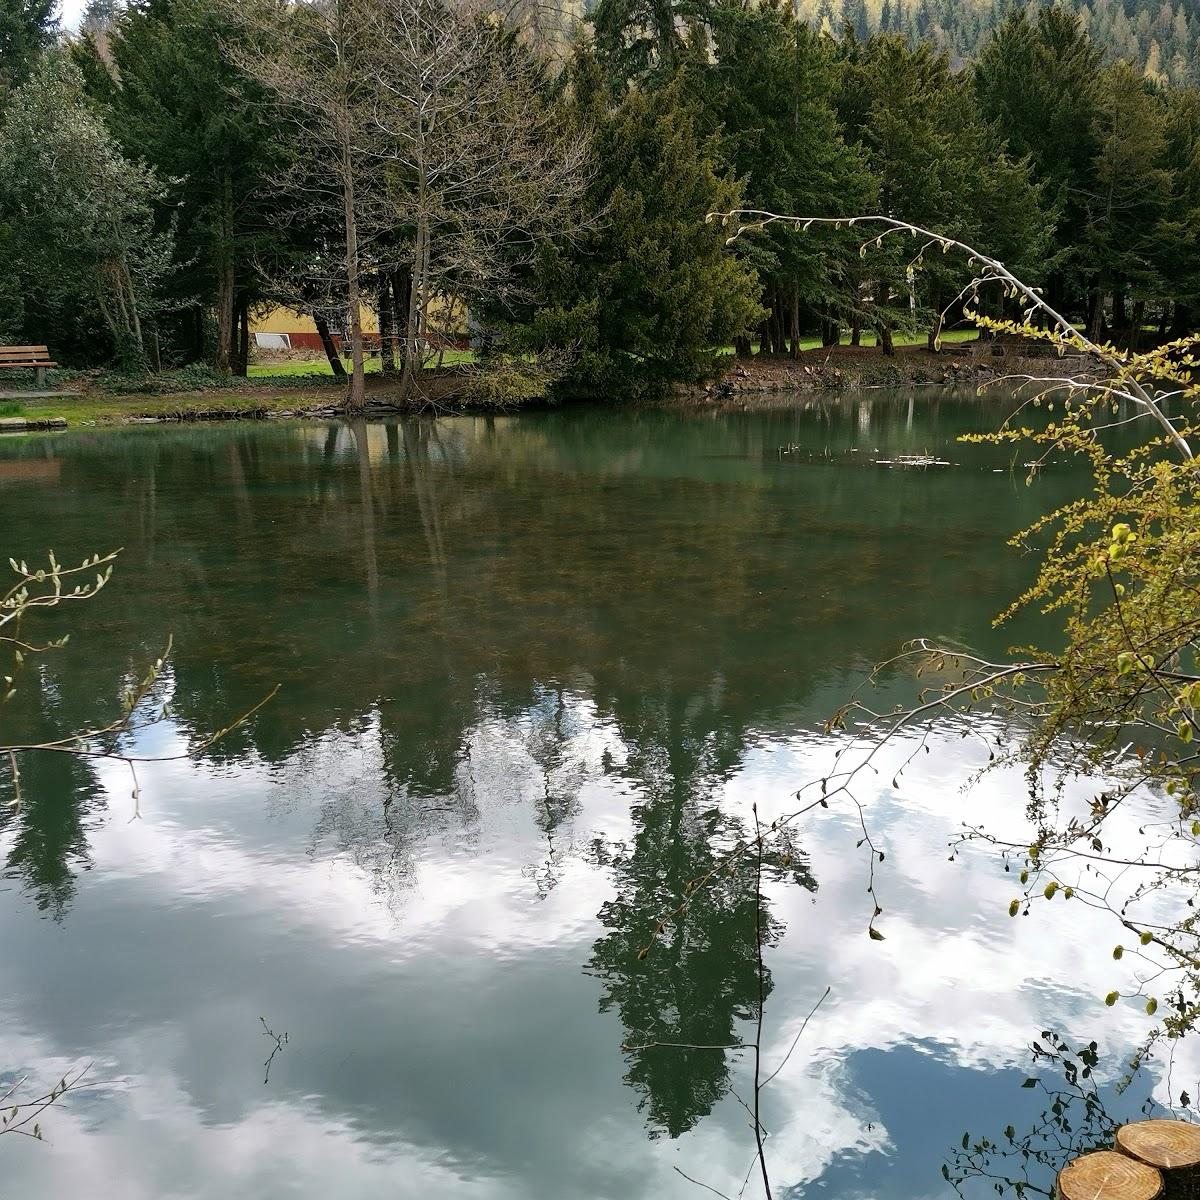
{"points": [[536, 673]]}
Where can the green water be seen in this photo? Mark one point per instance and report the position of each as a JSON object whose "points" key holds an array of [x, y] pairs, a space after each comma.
{"points": [[535, 673]]}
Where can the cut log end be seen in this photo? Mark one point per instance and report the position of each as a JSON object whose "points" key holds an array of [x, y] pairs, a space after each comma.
{"points": [[1107, 1175], [1168, 1145]]}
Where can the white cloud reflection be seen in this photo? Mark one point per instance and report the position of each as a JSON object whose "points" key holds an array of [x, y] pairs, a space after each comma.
{"points": [[450, 919]]}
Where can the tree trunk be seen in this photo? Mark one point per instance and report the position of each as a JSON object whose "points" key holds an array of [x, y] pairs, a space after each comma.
{"points": [[134, 318], [831, 333], [387, 327], [795, 321], [226, 283], [155, 350], [856, 331], [1184, 322], [1096, 317], [413, 331], [243, 338], [883, 327], [1135, 324], [331, 352], [934, 339], [358, 389]]}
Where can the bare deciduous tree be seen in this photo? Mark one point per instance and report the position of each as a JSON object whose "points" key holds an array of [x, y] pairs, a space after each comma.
{"points": [[426, 122], [312, 55], [477, 167]]}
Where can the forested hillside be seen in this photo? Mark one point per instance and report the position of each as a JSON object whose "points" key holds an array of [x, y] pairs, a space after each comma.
{"points": [[1162, 38]]}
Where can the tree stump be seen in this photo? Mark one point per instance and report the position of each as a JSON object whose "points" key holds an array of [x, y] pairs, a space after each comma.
{"points": [[1173, 1147], [1107, 1175]]}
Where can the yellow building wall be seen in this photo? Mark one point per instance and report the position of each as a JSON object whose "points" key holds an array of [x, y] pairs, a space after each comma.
{"points": [[287, 320]]}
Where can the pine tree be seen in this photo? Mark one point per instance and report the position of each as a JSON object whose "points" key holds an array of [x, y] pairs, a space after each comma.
{"points": [[26, 28], [773, 91], [1178, 250], [1039, 82], [938, 164], [1131, 190], [650, 293], [856, 18], [176, 100]]}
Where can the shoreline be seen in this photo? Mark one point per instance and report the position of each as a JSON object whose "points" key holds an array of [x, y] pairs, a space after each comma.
{"points": [[841, 368]]}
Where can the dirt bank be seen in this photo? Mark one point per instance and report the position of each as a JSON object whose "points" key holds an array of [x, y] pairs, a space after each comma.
{"points": [[847, 367]]}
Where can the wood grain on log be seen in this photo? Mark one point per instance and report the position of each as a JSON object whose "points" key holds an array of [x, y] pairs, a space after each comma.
{"points": [[1107, 1175], [1168, 1145]]}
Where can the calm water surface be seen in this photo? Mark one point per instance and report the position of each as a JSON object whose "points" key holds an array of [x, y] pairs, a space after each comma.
{"points": [[535, 672]]}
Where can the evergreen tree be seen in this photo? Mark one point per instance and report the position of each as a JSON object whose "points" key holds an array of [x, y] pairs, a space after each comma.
{"points": [[176, 100], [636, 38], [650, 294], [1178, 249], [772, 91], [1130, 195], [856, 19], [26, 28], [939, 165], [1039, 82]]}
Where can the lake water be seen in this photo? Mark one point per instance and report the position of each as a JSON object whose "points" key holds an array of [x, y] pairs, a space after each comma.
{"points": [[535, 673]]}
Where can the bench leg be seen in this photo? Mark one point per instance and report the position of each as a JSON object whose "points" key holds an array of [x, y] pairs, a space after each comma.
{"points": [[41, 377]]}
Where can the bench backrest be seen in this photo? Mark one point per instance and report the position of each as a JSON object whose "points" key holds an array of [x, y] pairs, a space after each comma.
{"points": [[24, 354]]}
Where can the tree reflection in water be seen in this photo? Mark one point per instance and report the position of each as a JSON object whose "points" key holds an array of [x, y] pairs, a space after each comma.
{"points": [[699, 977], [477, 617]]}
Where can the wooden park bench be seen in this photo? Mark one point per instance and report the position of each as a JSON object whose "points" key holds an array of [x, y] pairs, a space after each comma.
{"points": [[36, 358]]}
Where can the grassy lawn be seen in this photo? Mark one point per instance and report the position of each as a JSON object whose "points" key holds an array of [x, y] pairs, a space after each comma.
{"points": [[100, 409], [949, 337], [195, 399], [320, 366]]}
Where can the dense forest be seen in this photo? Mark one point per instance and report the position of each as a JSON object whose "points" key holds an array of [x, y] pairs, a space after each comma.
{"points": [[180, 163], [1161, 39]]}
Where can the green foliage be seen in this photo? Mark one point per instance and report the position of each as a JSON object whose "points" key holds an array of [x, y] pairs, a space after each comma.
{"points": [[27, 27], [648, 293], [1161, 38], [1119, 698], [938, 162], [508, 381], [85, 259], [175, 98], [636, 39], [772, 92]]}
